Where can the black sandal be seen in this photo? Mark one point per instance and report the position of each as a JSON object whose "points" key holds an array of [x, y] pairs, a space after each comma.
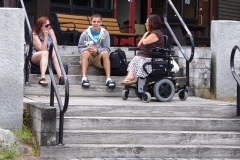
{"points": [[85, 83], [61, 81], [43, 80], [110, 84]]}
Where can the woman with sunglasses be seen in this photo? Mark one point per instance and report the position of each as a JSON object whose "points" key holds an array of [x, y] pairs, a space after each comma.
{"points": [[43, 35]]}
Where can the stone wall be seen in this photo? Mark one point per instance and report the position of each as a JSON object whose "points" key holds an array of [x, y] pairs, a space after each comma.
{"points": [[11, 67], [224, 36], [199, 70]]}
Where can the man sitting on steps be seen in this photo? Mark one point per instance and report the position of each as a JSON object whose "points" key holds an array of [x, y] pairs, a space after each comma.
{"points": [[94, 47]]}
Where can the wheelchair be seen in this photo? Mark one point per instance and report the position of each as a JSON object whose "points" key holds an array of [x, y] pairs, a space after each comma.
{"points": [[160, 83]]}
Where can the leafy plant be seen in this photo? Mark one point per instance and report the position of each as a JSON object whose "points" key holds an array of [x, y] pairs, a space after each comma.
{"points": [[8, 152]]}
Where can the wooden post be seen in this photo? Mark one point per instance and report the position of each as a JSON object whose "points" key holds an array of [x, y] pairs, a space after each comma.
{"points": [[42, 8]]}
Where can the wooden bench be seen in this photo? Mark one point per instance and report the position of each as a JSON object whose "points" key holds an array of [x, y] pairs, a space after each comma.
{"points": [[112, 26], [72, 25]]}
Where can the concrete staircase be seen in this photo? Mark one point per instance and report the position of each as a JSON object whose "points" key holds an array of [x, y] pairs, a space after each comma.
{"points": [[99, 124]]}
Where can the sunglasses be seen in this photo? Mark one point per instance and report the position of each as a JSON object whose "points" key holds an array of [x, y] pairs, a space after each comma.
{"points": [[47, 25]]}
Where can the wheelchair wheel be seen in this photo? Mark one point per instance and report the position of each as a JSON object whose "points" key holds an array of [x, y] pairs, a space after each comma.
{"points": [[125, 93], [182, 95], [146, 97], [164, 90]]}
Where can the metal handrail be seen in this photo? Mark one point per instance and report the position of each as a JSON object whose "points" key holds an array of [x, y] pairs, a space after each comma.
{"points": [[29, 53], [54, 89], [188, 59], [236, 77]]}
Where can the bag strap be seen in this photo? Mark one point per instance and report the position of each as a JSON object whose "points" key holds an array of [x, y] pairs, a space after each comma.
{"points": [[119, 50]]}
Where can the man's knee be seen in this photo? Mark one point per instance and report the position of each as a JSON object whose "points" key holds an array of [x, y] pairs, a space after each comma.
{"points": [[105, 55], [85, 54]]}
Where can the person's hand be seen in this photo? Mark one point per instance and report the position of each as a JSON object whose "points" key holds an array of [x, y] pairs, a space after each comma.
{"points": [[45, 32], [139, 44], [92, 49]]}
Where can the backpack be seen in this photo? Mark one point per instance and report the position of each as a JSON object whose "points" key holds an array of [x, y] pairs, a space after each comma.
{"points": [[118, 63]]}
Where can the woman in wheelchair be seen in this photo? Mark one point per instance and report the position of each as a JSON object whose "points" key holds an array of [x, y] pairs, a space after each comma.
{"points": [[151, 39], [153, 66]]}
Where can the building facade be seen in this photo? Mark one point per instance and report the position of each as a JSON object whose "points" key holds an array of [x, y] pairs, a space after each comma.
{"points": [[132, 12]]}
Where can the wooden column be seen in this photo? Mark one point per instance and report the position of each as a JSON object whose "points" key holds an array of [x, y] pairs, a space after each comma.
{"points": [[10, 3], [42, 8]]}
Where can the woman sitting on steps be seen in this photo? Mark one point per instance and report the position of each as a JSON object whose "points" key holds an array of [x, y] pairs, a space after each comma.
{"points": [[43, 35]]}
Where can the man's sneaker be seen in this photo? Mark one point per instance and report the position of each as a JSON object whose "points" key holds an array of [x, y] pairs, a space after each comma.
{"points": [[85, 83], [110, 83]]}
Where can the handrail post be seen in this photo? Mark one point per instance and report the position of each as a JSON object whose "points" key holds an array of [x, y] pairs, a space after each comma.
{"points": [[60, 140], [236, 77], [187, 73], [238, 100], [188, 59], [52, 95]]}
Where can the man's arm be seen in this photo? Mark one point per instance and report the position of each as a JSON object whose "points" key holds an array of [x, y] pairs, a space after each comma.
{"points": [[106, 43], [81, 44]]}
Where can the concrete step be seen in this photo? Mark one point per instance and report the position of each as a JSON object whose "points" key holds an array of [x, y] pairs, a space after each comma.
{"points": [[93, 79], [136, 108], [150, 137], [63, 158], [194, 107], [77, 70], [151, 123], [140, 151], [79, 91]]}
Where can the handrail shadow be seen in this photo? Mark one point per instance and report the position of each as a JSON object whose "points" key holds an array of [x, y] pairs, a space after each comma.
{"points": [[235, 76], [188, 59], [54, 89]]}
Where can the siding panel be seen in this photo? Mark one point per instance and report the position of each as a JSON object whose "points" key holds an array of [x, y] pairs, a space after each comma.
{"points": [[229, 10]]}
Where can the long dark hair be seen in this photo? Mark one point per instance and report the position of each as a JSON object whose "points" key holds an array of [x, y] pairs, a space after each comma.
{"points": [[154, 22], [39, 24]]}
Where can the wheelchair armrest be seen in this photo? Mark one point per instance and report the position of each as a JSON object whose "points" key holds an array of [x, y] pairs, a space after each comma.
{"points": [[133, 49]]}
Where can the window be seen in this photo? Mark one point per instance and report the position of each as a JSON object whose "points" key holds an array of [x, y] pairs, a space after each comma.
{"points": [[106, 4], [82, 2], [60, 1], [189, 9], [158, 6]]}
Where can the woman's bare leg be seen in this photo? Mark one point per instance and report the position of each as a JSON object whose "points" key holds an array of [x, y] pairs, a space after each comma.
{"points": [[130, 76], [41, 59]]}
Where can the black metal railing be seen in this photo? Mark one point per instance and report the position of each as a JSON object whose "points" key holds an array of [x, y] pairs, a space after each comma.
{"points": [[188, 59], [236, 77], [29, 47], [54, 89]]}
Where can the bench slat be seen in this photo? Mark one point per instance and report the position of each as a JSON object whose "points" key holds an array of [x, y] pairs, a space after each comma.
{"points": [[72, 17], [74, 21]]}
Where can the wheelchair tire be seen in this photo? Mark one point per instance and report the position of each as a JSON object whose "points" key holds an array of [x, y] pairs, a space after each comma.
{"points": [[146, 97], [182, 94], [125, 93], [164, 90]]}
